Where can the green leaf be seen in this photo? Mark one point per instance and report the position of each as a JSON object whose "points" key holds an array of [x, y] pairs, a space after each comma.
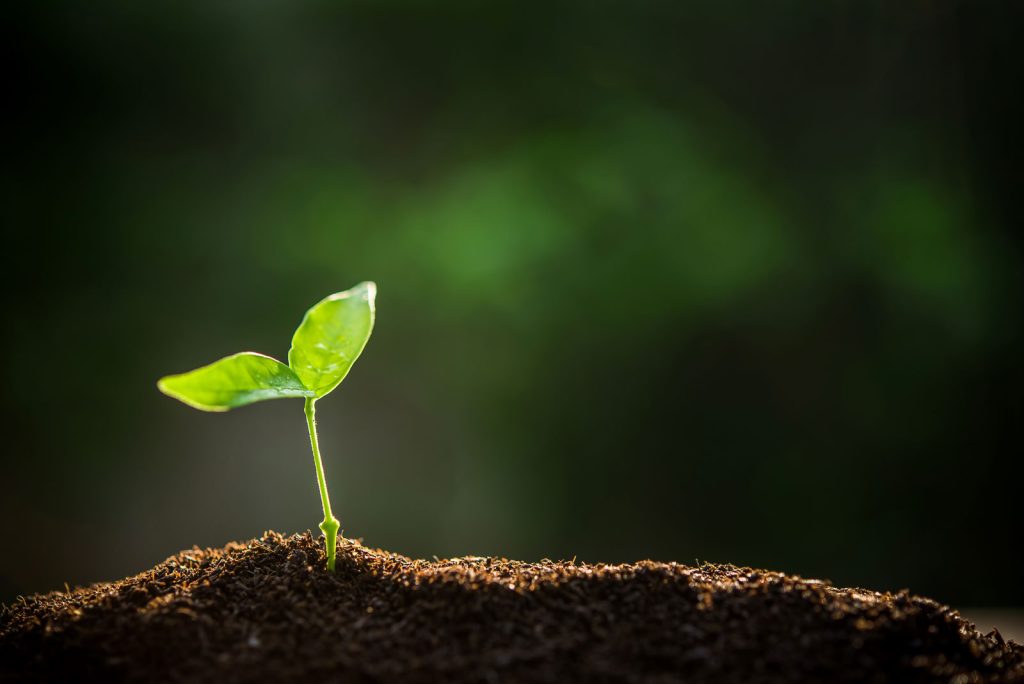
{"points": [[331, 337], [234, 381]]}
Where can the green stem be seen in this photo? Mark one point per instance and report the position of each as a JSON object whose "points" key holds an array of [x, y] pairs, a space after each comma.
{"points": [[330, 524]]}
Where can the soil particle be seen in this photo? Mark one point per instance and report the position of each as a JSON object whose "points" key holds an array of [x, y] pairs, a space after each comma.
{"points": [[267, 611]]}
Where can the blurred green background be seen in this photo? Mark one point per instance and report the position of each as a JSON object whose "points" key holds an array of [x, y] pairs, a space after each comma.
{"points": [[717, 281]]}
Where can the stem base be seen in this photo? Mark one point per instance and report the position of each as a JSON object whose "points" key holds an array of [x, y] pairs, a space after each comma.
{"points": [[330, 529]]}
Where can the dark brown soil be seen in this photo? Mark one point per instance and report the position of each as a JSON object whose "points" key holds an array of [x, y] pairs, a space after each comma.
{"points": [[267, 611]]}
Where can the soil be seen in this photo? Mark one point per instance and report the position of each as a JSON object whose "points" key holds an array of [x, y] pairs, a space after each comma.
{"points": [[268, 611]]}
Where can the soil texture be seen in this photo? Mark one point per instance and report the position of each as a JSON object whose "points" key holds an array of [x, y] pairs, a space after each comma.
{"points": [[268, 611]]}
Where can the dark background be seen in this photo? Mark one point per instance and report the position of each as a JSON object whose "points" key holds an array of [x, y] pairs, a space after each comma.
{"points": [[729, 282]]}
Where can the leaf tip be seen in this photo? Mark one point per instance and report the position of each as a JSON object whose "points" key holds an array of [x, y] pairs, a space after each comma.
{"points": [[162, 385], [366, 290]]}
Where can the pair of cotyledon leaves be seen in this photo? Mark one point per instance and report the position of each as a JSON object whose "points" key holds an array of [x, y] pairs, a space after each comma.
{"points": [[325, 345]]}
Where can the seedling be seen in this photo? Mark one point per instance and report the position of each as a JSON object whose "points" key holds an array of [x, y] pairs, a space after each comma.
{"points": [[327, 342]]}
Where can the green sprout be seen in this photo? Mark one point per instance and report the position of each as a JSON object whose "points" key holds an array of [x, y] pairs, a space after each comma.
{"points": [[327, 342]]}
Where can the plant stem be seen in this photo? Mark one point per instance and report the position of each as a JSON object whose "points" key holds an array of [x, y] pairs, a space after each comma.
{"points": [[330, 524]]}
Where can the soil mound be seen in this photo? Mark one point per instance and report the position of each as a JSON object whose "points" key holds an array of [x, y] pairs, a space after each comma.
{"points": [[267, 611]]}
